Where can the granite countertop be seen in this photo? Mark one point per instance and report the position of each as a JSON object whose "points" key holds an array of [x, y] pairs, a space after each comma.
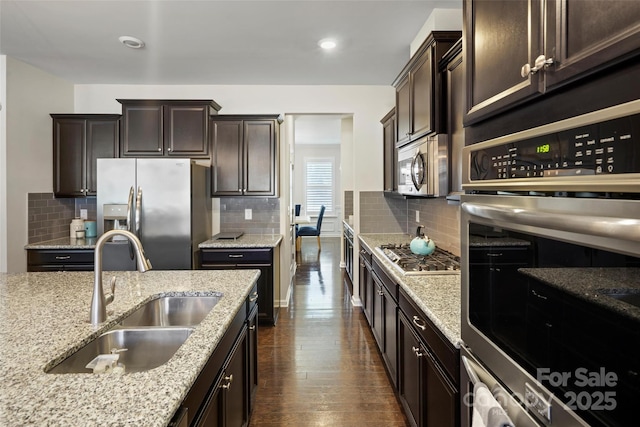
{"points": [[594, 284], [43, 318], [65, 243], [244, 241], [438, 295]]}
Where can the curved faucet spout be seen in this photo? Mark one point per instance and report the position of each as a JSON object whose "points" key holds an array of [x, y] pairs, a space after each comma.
{"points": [[98, 301]]}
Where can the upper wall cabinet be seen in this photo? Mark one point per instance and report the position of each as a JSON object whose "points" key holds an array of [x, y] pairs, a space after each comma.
{"points": [[517, 50], [159, 128], [419, 97], [244, 155], [78, 141], [389, 150]]}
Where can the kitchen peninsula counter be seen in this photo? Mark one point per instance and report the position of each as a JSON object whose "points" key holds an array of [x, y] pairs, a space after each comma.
{"points": [[438, 295], [64, 243], [43, 318], [244, 241]]}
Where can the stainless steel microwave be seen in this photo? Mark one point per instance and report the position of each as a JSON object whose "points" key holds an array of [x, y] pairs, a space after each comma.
{"points": [[422, 167]]}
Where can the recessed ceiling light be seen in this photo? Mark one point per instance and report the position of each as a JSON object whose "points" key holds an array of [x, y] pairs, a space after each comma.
{"points": [[132, 42], [327, 44]]}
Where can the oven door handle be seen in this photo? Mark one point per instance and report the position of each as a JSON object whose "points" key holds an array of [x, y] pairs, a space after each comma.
{"points": [[620, 228]]}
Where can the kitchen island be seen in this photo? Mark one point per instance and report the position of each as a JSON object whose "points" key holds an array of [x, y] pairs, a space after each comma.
{"points": [[44, 318]]}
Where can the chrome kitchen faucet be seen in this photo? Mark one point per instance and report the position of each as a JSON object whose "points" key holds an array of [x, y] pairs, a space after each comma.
{"points": [[98, 301]]}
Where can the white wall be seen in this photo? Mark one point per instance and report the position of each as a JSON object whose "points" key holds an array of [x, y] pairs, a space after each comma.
{"points": [[439, 20], [31, 96]]}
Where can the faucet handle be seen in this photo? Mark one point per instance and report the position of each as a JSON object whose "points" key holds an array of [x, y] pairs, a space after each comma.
{"points": [[109, 299]]}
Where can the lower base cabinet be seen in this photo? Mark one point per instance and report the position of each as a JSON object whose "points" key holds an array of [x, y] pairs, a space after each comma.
{"points": [[60, 260], [224, 392], [428, 370], [250, 258]]}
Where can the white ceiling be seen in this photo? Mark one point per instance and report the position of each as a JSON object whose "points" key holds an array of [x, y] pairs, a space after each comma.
{"points": [[215, 42]]}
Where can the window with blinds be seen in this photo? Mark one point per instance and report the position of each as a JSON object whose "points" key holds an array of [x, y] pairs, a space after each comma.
{"points": [[319, 185]]}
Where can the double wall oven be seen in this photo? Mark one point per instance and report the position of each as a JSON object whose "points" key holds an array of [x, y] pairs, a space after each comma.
{"points": [[550, 271]]}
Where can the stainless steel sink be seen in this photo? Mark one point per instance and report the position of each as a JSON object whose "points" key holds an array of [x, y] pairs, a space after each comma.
{"points": [[630, 296], [146, 348], [172, 311]]}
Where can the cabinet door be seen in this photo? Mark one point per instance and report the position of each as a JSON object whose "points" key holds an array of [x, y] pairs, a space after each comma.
{"points": [[422, 81], [235, 386], [390, 154], [226, 157], [455, 117], [502, 36], [185, 130], [409, 379], [584, 36], [441, 400], [68, 156], [259, 158], [390, 328], [403, 111], [252, 357], [142, 130], [378, 312], [103, 137]]}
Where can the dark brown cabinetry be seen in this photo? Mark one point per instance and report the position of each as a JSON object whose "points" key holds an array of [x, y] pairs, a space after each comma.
{"points": [[254, 258], [418, 92], [222, 394], [244, 155], [389, 150], [365, 283], [78, 141], [60, 259], [385, 318], [428, 385], [518, 50], [158, 128], [452, 71], [348, 251]]}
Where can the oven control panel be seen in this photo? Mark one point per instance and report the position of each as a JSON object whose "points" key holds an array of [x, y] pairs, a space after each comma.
{"points": [[609, 147], [598, 151]]}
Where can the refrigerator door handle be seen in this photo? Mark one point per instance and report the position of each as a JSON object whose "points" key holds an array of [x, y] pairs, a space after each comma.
{"points": [[129, 209], [138, 231]]}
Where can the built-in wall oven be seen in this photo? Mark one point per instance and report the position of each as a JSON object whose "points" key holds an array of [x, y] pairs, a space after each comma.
{"points": [[550, 269]]}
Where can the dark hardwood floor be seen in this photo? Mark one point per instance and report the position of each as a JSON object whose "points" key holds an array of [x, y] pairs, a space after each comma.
{"points": [[319, 366]]}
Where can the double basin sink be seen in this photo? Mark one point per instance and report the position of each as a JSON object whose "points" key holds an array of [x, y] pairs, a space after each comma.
{"points": [[146, 338]]}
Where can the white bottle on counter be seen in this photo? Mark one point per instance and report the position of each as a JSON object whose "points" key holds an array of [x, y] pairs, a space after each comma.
{"points": [[77, 224]]}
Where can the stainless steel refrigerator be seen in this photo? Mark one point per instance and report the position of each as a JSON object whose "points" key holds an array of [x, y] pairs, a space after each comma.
{"points": [[165, 202]]}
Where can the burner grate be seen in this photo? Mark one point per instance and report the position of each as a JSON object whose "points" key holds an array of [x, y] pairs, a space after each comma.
{"points": [[408, 263]]}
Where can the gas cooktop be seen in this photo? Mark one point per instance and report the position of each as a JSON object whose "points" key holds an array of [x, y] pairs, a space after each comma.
{"points": [[410, 264]]}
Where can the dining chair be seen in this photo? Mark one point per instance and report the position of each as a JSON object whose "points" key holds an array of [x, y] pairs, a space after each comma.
{"points": [[313, 231]]}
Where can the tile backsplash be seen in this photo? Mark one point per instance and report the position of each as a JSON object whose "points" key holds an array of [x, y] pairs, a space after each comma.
{"points": [[265, 215], [49, 218], [379, 214]]}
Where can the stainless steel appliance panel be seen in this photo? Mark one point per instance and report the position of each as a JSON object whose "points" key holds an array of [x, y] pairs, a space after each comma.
{"points": [[164, 189], [115, 178], [422, 169]]}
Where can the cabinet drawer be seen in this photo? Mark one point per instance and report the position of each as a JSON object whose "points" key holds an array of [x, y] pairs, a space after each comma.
{"points": [[237, 256], [392, 287], [499, 254], [446, 354], [62, 257]]}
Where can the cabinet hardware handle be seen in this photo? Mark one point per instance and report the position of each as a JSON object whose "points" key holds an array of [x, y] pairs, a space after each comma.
{"points": [[236, 255], [252, 328], [253, 297], [159, 149], [541, 63], [239, 190], [229, 378], [169, 149], [362, 264], [417, 352], [535, 294], [494, 254], [419, 322], [63, 257]]}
